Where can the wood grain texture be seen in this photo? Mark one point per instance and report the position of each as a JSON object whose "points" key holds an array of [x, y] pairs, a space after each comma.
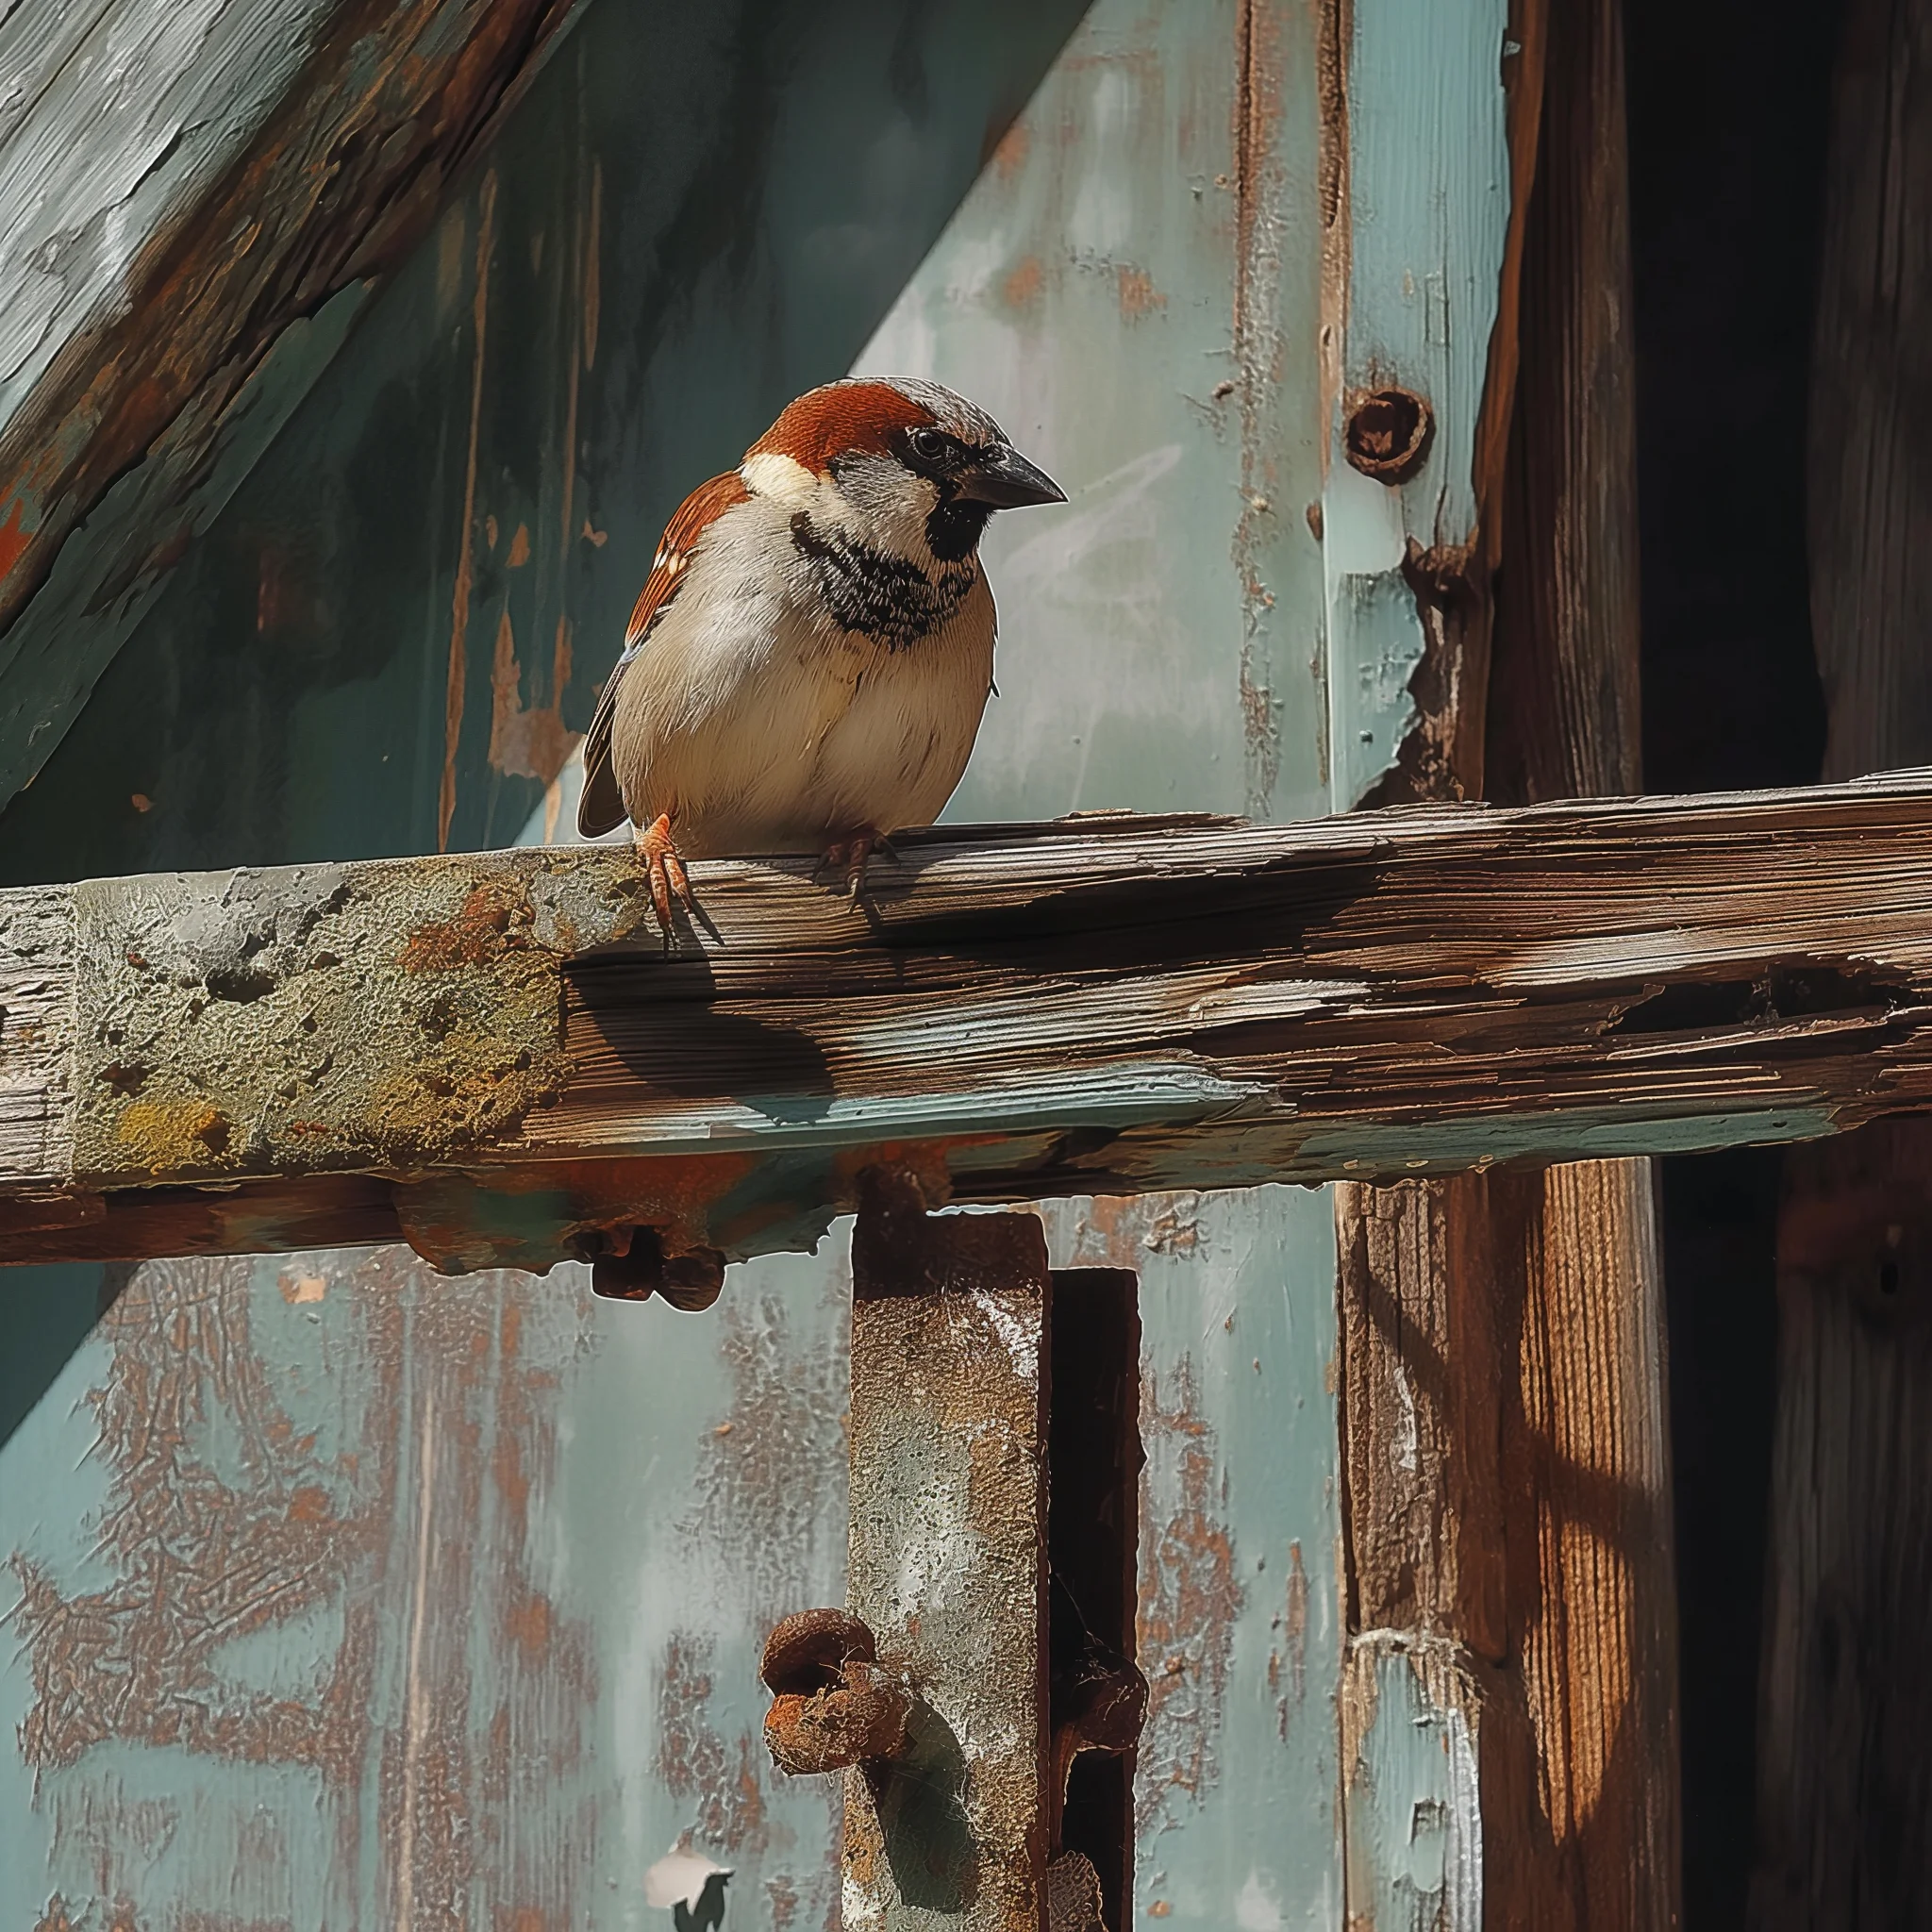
{"points": [[185, 187], [1563, 718], [1593, 1623], [1505, 1464], [1112, 1005], [1870, 494], [1845, 1787], [1844, 1804], [35, 1034]]}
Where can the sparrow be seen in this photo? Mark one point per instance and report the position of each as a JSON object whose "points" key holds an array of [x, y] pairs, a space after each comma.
{"points": [[807, 664]]}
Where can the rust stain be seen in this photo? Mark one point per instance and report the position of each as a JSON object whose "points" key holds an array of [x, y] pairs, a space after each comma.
{"points": [[1258, 187], [1138, 294], [519, 548], [1020, 288], [529, 1623], [495, 919], [1190, 1596], [1334, 33], [1009, 156], [201, 1562], [14, 538], [1287, 1657], [527, 742], [459, 596], [696, 1763]]}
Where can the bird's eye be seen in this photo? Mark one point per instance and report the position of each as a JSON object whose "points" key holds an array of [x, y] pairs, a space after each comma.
{"points": [[928, 445]]}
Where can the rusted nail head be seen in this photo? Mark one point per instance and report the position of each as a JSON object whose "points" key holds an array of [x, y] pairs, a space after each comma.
{"points": [[1386, 434], [808, 1652], [863, 1721]]}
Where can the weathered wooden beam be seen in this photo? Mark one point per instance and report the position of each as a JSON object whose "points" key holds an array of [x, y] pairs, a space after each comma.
{"points": [[183, 192], [1092, 1006]]}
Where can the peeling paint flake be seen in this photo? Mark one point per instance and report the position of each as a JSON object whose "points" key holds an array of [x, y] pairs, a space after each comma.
{"points": [[1190, 1597]]}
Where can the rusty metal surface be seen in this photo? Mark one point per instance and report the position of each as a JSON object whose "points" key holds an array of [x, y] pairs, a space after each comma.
{"points": [[948, 1564], [257, 1023]]}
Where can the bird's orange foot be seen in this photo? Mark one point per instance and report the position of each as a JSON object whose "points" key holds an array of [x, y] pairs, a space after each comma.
{"points": [[849, 857], [664, 866]]}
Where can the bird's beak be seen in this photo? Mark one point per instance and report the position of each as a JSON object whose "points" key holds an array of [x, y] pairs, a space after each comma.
{"points": [[1007, 480]]}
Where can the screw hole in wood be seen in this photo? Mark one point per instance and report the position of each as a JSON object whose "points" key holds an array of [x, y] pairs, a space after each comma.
{"points": [[1387, 433]]}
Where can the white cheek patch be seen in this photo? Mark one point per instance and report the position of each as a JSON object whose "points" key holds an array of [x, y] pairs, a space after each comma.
{"points": [[782, 478]]}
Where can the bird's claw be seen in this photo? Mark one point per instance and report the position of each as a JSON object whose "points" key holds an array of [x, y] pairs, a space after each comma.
{"points": [[664, 868], [850, 857]]}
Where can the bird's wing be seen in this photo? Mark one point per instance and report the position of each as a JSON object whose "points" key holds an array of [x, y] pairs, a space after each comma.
{"points": [[602, 803]]}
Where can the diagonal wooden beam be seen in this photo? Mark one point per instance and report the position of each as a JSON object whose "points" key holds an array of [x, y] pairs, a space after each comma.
{"points": [[193, 202], [497, 1043]]}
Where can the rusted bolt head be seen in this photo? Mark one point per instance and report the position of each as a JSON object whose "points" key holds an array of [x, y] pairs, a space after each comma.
{"points": [[863, 1720], [808, 1652], [693, 1281], [1386, 434], [834, 1706]]}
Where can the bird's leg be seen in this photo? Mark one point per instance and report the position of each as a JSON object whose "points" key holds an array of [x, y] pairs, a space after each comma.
{"points": [[850, 856], [664, 866]]}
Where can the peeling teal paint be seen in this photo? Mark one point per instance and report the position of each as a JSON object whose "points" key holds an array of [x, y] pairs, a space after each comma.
{"points": [[1412, 1815], [1428, 214]]}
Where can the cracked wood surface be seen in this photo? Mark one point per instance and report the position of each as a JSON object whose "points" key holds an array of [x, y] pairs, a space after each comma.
{"points": [[1105, 1005]]}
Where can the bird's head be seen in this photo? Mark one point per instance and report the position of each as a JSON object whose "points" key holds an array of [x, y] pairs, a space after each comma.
{"points": [[899, 463]]}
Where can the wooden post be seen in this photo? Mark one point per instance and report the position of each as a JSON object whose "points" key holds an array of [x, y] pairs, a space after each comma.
{"points": [[1595, 1618], [1844, 1799], [1510, 1584]]}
